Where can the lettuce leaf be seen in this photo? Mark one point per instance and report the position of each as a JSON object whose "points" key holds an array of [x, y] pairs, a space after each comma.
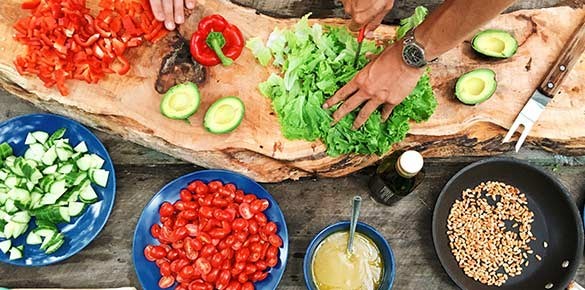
{"points": [[315, 62]]}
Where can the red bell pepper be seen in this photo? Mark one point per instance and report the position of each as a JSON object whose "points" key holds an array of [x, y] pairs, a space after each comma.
{"points": [[216, 41]]}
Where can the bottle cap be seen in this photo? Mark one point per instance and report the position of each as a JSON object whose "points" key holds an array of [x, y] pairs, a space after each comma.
{"points": [[411, 162]]}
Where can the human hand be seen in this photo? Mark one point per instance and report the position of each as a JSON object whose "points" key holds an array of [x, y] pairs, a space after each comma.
{"points": [[386, 81], [368, 13], [171, 11]]}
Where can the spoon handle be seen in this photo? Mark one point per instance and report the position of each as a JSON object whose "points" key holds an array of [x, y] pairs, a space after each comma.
{"points": [[355, 212]]}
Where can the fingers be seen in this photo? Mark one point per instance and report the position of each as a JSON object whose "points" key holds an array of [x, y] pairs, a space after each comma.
{"points": [[372, 25], [168, 10], [157, 10], [179, 11], [365, 113], [190, 4], [351, 104], [341, 94], [386, 111]]}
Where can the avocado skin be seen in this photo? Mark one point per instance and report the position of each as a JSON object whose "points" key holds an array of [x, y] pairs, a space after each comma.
{"points": [[487, 75], [191, 90], [505, 36]]}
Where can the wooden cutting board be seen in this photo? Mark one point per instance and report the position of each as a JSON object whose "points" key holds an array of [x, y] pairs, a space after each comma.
{"points": [[129, 105]]}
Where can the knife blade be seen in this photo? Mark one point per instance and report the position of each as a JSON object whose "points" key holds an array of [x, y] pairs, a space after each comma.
{"points": [[549, 87], [360, 39]]}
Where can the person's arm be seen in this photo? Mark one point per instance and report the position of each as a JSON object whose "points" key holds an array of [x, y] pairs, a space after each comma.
{"points": [[453, 21], [388, 80]]}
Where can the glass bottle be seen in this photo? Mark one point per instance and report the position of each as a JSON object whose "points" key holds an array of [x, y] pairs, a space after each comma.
{"points": [[396, 176]]}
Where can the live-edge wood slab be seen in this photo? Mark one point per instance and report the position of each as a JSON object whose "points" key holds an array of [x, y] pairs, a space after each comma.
{"points": [[128, 105]]}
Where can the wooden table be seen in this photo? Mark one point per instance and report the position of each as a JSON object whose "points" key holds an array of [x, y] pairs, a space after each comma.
{"points": [[141, 172]]}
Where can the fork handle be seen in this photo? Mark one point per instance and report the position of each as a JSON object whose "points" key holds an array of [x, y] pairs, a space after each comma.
{"points": [[569, 56]]}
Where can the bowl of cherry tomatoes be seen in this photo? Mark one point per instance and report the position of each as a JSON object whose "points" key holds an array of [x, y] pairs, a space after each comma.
{"points": [[211, 229]]}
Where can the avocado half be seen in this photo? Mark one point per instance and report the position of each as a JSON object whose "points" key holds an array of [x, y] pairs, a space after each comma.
{"points": [[225, 115], [476, 86], [495, 43], [181, 101]]}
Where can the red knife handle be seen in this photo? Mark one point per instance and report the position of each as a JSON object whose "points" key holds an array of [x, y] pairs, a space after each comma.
{"points": [[361, 34], [569, 56]]}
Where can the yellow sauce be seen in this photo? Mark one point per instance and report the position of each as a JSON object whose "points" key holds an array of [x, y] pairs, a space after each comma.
{"points": [[334, 269]]}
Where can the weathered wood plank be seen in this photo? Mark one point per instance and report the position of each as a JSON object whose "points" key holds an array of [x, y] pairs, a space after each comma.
{"points": [[334, 8], [406, 225]]}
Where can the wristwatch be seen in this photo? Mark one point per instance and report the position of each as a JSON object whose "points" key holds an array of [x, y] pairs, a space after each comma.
{"points": [[413, 53]]}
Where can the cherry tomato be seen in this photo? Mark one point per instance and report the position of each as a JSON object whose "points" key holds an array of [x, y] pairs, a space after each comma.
{"points": [[182, 287], [254, 257], [173, 254], [250, 269], [232, 211], [214, 185], [237, 245], [187, 272], [261, 265], [189, 215], [234, 285], [186, 195], [249, 198], [254, 238], [148, 253], [275, 240], [165, 269], [218, 233], [230, 187], [197, 285], [223, 279], [211, 276], [204, 238], [242, 278], [191, 205], [264, 204], [192, 230], [247, 286], [259, 276], [216, 260], [272, 252], [240, 224], [270, 228], [190, 252], [227, 253], [179, 244], [241, 236], [221, 215], [159, 252], [179, 205], [242, 255], [253, 227], [206, 211], [239, 197], [161, 261], [166, 282], [220, 202], [202, 265], [261, 218], [199, 188], [208, 250], [272, 262], [166, 210], [245, 211], [155, 231]]}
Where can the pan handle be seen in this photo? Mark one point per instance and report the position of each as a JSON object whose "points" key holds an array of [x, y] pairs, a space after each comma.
{"points": [[574, 286]]}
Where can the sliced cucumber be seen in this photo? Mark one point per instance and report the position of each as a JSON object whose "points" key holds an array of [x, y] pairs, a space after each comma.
{"points": [[99, 177], [3, 175], [15, 254], [30, 139], [5, 246], [58, 187], [41, 136], [33, 239], [88, 195], [76, 208], [21, 217], [81, 147], [84, 163], [64, 212], [10, 206], [66, 168], [51, 169], [35, 152], [63, 153], [45, 231], [55, 246], [50, 156], [97, 162]]}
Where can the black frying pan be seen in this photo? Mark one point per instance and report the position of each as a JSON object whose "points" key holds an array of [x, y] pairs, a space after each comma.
{"points": [[557, 221]]}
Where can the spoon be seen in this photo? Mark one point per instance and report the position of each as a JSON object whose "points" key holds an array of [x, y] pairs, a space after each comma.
{"points": [[355, 213]]}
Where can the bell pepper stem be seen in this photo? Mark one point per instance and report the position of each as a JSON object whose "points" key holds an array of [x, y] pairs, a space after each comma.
{"points": [[216, 41]]}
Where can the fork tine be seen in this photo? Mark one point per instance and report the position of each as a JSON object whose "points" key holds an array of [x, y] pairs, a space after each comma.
{"points": [[513, 129], [525, 131]]}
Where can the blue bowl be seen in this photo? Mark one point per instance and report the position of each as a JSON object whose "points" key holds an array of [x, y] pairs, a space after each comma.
{"points": [[389, 271], [84, 228], [148, 273]]}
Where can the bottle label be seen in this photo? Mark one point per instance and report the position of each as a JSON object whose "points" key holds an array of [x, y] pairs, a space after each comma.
{"points": [[380, 191]]}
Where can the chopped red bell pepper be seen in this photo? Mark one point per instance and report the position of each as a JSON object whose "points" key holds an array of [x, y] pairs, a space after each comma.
{"points": [[30, 4], [63, 41], [216, 41]]}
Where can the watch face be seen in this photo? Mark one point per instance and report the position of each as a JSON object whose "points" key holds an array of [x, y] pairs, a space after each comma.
{"points": [[413, 55]]}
